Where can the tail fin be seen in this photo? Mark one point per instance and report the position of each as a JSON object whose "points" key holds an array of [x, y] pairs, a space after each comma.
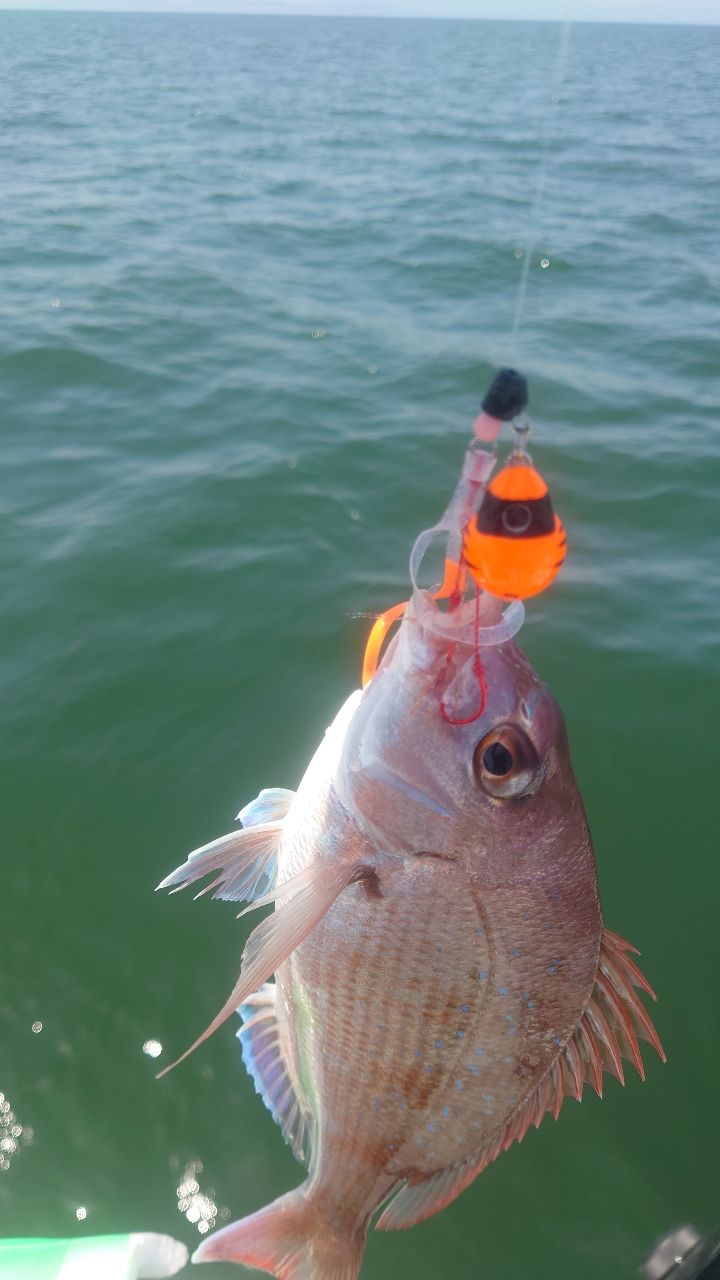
{"points": [[289, 1239]]}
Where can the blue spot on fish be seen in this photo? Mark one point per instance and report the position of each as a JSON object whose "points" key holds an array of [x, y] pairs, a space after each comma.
{"points": [[445, 1112], [531, 1004], [429, 1067], [431, 1128], [459, 1035], [517, 951], [459, 1084], [508, 1017], [479, 1053], [438, 1044], [418, 1053], [502, 991], [509, 1060], [464, 1008], [489, 1097], [473, 1068], [552, 968]]}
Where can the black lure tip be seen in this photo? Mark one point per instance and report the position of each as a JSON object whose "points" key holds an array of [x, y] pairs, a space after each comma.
{"points": [[508, 395]]}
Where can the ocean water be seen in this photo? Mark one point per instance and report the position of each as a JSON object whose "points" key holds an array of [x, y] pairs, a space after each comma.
{"points": [[256, 274]]}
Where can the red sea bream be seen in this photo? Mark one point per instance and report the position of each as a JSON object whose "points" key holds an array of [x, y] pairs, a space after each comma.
{"points": [[443, 978]]}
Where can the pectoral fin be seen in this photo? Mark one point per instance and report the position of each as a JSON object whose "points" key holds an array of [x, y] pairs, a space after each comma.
{"points": [[310, 895]]}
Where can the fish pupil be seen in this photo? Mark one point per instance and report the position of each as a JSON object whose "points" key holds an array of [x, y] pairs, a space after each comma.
{"points": [[497, 760]]}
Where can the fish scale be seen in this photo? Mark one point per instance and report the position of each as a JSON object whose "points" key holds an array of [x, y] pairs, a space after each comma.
{"points": [[426, 1026], [386, 1051]]}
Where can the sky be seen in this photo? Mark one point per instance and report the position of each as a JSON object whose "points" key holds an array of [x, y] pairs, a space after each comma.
{"points": [[684, 11]]}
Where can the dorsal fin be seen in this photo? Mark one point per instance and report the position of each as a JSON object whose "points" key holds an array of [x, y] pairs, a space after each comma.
{"points": [[413, 1202], [265, 1063], [608, 1030]]}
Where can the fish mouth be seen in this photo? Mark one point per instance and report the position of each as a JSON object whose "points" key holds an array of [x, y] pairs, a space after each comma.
{"points": [[381, 773]]}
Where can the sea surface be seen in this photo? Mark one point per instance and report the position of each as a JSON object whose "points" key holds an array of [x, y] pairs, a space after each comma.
{"points": [[255, 276]]}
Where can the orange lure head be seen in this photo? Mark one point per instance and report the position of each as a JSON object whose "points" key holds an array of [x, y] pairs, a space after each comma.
{"points": [[511, 547], [515, 544]]}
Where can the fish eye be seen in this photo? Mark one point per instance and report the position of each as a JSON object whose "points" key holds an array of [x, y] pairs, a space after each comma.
{"points": [[505, 762], [497, 760]]}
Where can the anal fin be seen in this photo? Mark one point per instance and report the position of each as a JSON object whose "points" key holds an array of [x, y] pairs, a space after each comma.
{"points": [[265, 1063]]}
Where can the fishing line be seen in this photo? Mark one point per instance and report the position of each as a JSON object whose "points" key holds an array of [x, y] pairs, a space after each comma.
{"points": [[532, 234]]}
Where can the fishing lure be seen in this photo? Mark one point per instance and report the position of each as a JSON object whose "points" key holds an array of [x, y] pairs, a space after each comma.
{"points": [[503, 538], [515, 544]]}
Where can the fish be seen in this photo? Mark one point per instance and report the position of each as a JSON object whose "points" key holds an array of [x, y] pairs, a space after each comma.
{"points": [[443, 978]]}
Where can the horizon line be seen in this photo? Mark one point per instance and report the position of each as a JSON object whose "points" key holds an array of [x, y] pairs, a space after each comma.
{"points": [[184, 11]]}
